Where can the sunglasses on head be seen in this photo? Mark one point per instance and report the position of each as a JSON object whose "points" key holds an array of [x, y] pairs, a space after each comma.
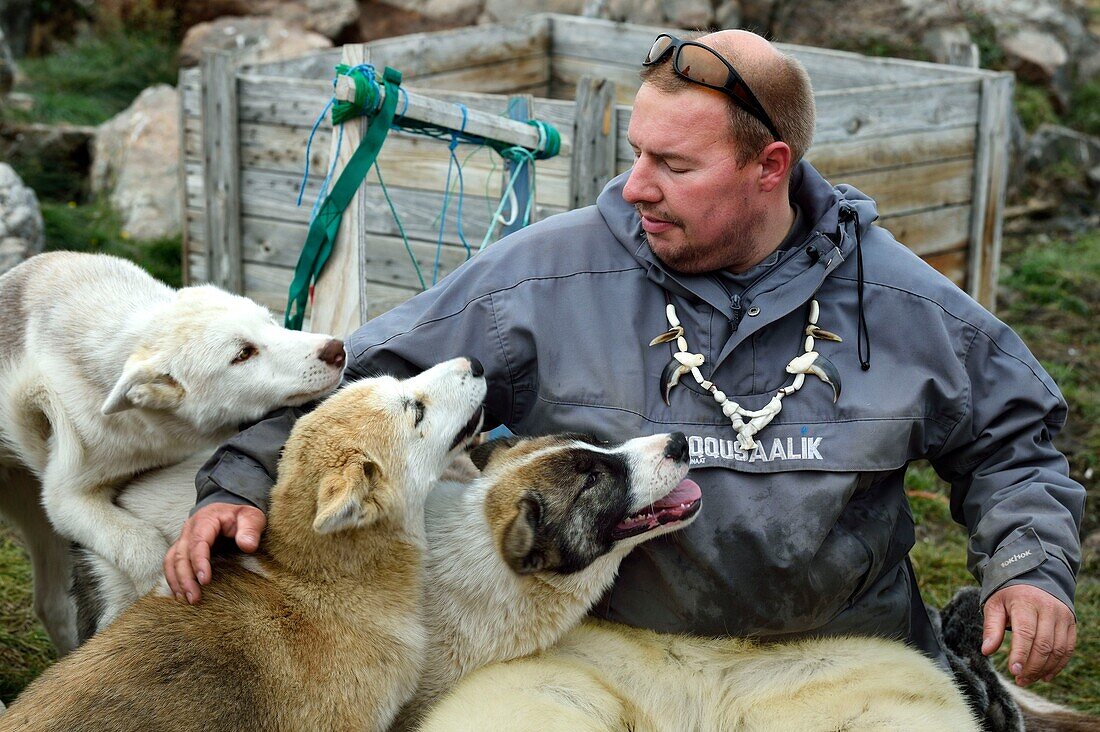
{"points": [[704, 66]]}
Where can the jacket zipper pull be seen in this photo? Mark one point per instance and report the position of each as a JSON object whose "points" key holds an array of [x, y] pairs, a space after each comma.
{"points": [[735, 316]]}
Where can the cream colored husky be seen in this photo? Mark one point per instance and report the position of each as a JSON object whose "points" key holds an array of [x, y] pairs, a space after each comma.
{"points": [[604, 677]]}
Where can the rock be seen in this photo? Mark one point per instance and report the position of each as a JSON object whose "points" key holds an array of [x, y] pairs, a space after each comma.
{"points": [[1088, 67], [22, 232], [384, 20], [1056, 144], [258, 39], [728, 14], [946, 45], [688, 13], [508, 10], [136, 161], [1037, 57], [327, 17], [643, 12]]}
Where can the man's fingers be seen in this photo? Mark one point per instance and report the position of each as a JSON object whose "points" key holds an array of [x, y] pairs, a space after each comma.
{"points": [[1057, 656], [993, 630], [1042, 647], [250, 524], [1024, 623]]}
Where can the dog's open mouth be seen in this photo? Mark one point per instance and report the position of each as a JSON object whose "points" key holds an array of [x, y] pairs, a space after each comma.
{"points": [[679, 505], [471, 429]]}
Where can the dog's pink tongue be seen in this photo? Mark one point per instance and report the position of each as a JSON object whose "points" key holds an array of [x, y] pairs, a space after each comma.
{"points": [[686, 492]]}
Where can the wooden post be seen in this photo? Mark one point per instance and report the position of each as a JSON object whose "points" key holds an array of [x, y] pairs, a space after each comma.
{"points": [[221, 170], [594, 139], [990, 181], [340, 298], [185, 262]]}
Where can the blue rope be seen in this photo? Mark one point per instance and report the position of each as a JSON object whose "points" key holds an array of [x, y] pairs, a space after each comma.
{"points": [[309, 146], [452, 163], [400, 228]]}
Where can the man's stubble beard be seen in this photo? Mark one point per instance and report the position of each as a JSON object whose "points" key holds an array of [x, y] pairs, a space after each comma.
{"points": [[691, 259]]}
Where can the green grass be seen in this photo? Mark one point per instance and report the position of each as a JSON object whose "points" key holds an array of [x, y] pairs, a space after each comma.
{"points": [[1084, 108], [1034, 106], [25, 649], [96, 76], [95, 227]]}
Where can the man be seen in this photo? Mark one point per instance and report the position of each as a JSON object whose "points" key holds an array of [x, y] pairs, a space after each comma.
{"points": [[722, 237]]}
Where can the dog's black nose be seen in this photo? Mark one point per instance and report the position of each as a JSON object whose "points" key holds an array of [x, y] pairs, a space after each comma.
{"points": [[677, 447], [475, 367], [333, 353]]}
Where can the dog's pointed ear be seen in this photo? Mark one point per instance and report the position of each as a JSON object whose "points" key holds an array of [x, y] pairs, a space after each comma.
{"points": [[143, 384], [347, 499], [484, 452], [519, 542]]}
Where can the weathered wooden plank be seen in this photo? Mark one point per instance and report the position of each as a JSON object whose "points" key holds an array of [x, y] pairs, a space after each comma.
{"points": [[221, 170], [520, 72], [626, 44], [284, 101], [933, 231], [593, 141], [272, 195], [421, 54], [990, 176], [567, 71], [424, 108], [952, 265], [854, 116], [917, 187], [840, 158], [313, 66], [181, 181], [277, 243]]}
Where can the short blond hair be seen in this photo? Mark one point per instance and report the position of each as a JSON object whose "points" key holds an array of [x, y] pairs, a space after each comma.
{"points": [[781, 86]]}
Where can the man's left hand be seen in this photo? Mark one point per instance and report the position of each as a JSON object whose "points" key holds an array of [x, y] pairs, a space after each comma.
{"points": [[1044, 631]]}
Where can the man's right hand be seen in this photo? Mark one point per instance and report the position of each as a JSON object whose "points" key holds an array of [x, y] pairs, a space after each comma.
{"points": [[187, 563]]}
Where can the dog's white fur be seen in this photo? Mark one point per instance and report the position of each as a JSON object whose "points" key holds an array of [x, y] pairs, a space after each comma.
{"points": [[604, 677], [106, 373]]}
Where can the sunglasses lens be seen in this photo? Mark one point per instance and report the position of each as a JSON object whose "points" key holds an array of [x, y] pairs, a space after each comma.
{"points": [[659, 47], [701, 66]]}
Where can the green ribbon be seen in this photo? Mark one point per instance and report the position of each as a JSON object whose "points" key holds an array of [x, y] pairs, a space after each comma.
{"points": [[323, 229]]}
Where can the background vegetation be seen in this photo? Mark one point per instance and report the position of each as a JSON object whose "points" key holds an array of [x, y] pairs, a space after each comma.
{"points": [[1050, 295]]}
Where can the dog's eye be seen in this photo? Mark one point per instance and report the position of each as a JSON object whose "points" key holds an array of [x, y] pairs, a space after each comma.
{"points": [[590, 480], [247, 351]]}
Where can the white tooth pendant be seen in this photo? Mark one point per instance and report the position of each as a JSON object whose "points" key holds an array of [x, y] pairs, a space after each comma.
{"points": [[809, 362]]}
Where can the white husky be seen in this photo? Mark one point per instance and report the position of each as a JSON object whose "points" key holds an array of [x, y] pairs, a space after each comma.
{"points": [[106, 373]]}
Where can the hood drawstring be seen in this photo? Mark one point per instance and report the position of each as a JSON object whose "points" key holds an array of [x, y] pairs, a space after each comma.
{"points": [[863, 335]]}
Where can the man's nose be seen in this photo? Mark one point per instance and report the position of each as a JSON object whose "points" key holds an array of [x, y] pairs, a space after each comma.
{"points": [[639, 186]]}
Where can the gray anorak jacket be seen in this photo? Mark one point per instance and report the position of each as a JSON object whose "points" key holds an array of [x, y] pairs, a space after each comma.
{"points": [[809, 532]]}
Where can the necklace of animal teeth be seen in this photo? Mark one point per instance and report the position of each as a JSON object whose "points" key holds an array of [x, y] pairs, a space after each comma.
{"points": [[747, 422]]}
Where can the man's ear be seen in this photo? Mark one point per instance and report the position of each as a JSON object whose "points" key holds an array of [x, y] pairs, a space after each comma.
{"points": [[775, 164], [143, 384], [347, 497], [519, 542], [484, 452]]}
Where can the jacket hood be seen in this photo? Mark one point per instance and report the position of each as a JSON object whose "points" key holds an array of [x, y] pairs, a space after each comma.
{"points": [[829, 208]]}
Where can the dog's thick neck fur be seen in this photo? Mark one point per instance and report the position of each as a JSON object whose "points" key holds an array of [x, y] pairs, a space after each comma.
{"points": [[479, 609]]}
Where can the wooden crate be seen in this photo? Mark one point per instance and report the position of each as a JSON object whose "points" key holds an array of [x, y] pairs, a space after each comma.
{"points": [[927, 141]]}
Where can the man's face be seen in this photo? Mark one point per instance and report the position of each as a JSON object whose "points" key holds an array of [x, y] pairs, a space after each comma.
{"points": [[699, 209]]}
